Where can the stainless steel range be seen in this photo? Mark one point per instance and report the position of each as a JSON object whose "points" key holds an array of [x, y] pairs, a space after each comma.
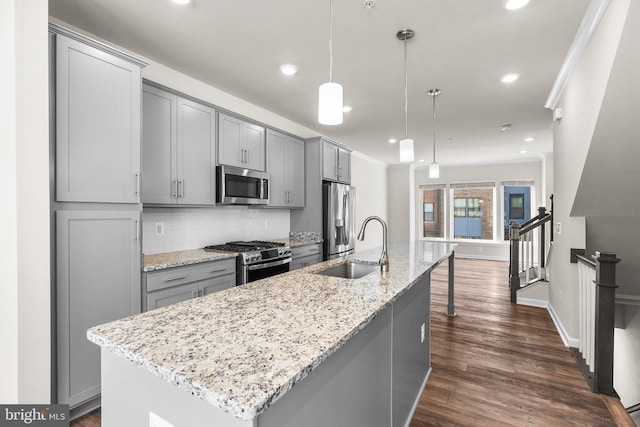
{"points": [[257, 259]]}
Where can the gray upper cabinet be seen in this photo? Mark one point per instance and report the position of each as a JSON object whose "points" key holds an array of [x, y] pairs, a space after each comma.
{"points": [[97, 125], [178, 149], [336, 162], [98, 281], [285, 165], [240, 143]]}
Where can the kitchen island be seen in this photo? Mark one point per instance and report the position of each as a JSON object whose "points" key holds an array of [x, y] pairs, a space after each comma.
{"points": [[296, 349]]}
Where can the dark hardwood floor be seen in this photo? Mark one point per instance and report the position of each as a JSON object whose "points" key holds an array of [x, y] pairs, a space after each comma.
{"points": [[498, 364], [495, 364]]}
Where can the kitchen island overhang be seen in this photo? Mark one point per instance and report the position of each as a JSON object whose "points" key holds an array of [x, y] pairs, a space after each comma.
{"points": [[357, 347]]}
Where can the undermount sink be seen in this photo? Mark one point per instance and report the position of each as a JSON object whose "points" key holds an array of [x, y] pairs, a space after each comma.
{"points": [[350, 270]]}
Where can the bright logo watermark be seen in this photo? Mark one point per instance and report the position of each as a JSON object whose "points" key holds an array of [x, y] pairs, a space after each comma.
{"points": [[34, 415]]}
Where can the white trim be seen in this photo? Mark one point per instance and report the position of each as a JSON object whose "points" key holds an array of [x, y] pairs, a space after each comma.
{"points": [[368, 158], [590, 22], [626, 299], [485, 257], [566, 339], [533, 302]]}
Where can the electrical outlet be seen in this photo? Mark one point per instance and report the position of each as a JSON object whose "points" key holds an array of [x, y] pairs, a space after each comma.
{"points": [[558, 228], [422, 332], [159, 228], [156, 421]]}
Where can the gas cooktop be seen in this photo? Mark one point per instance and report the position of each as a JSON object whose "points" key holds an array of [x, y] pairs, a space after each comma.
{"points": [[254, 245], [255, 252]]}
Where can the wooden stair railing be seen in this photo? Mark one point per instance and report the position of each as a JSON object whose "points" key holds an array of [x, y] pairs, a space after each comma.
{"points": [[523, 241]]}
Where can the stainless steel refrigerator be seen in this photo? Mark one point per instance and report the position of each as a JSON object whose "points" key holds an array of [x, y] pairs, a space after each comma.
{"points": [[338, 219]]}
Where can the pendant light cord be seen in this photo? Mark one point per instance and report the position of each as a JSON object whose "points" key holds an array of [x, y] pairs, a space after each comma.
{"points": [[434, 128], [331, 41], [406, 99]]}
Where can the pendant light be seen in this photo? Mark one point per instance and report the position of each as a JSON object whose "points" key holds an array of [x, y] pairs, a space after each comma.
{"points": [[330, 93], [434, 168], [406, 144]]}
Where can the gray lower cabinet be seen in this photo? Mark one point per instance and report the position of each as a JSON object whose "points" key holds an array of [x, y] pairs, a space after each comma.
{"points": [[97, 102], [98, 281], [304, 256], [285, 165], [166, 287], [178, 149]]}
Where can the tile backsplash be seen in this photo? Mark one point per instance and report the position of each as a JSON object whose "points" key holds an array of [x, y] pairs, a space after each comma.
{"points": [[191, 228]]}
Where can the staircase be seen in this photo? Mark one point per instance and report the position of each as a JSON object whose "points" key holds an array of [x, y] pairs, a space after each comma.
{"points": [[530, 248]]}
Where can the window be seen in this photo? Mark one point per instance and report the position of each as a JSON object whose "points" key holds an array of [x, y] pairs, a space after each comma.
{"points": [[516, 206], [433, 208], [473, 210], [428, 212]]}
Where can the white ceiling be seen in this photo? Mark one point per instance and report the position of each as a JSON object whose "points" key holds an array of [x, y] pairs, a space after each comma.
{"points": [[460, 46]]}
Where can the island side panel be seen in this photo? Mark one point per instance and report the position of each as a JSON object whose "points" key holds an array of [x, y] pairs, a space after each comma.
{"points": [[130, 393], [351, 388], [411, 352]]}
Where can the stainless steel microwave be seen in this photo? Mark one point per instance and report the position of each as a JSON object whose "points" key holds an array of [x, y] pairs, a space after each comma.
{"points": [[238, 186]]}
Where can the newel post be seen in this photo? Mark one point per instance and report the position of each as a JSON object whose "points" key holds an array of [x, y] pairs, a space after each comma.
{"points": [[605, 320], [514, 266]]}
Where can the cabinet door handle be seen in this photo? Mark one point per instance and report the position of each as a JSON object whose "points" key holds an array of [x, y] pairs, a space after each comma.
{"points": [[194, 294], [174, 189], [217, 270], [247, 153], [172, 279], [180, 189], [241, 155], [137, 230], [137, 183]]}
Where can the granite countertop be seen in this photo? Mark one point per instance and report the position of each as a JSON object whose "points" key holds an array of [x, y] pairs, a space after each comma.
{"points": [[243, 348], [165, 260]]}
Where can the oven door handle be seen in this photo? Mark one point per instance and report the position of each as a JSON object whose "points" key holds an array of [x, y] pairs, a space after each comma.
{"points": [[269, 264]]}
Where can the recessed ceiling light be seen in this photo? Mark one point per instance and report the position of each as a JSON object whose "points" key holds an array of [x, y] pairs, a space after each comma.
{"points": [[288, 69], [510, 78], [514, 4], [347, 108], [529, 139], [392, 141], [421, 160], [181, 2], [523, 151], [505, 127]]}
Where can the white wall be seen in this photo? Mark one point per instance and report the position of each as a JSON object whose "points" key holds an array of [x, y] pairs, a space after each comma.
{"points": [[524, 171], [399, 205], [580, 104], [24, 172], [369, 176]]}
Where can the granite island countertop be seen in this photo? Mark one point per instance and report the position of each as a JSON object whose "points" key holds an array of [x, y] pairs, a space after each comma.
{"points": [[164, 260], [243, 348]]}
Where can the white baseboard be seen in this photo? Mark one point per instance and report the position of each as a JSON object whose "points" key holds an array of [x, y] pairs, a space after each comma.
{"points": [[487, 257], [566, 339], [533, 302]]}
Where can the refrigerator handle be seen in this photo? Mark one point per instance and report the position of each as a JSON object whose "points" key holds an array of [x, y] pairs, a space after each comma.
{"points": [[345, 211]]}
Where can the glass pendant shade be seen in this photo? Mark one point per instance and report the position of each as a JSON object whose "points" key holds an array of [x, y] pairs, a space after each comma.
{"points": [[330, 103], [406, 150], [434, 170]]}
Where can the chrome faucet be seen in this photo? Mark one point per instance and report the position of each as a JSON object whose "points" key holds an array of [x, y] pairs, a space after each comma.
{"points": [[384, 259]]}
